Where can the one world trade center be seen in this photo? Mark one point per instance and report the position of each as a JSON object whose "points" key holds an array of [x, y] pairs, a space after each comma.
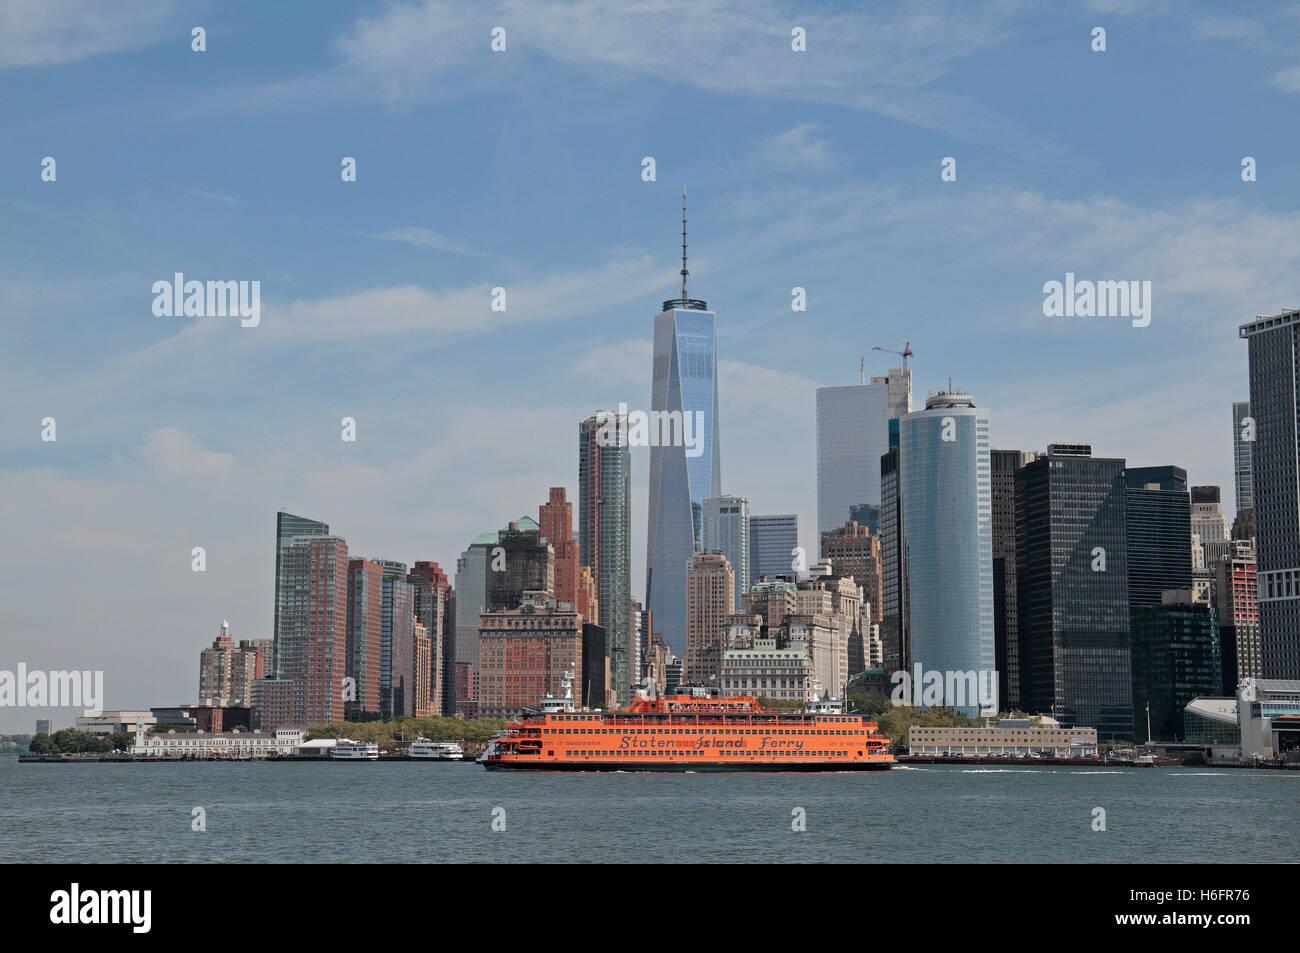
{"points": [[684, 398]]}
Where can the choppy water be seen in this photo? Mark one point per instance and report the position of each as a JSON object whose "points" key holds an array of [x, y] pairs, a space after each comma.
{"points": [[414, 812]]}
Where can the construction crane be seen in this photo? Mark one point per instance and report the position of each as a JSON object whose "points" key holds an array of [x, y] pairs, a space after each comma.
{"points": [[905, 353]]}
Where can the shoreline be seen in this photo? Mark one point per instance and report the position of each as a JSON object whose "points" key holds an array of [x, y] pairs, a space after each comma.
{"points": [[900, 759]]}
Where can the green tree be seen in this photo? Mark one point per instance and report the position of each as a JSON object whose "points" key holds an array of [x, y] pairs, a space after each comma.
{"points": [[72, 741], [388, 733], [895, 722], [868, 704]]}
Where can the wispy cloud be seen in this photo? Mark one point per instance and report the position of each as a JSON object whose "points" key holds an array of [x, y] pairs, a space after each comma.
{"points": [[1287, 80], [798, 148], [215, 197], [889, 59], [422, 237], [172, 451], [50, 32], [464, 311]]}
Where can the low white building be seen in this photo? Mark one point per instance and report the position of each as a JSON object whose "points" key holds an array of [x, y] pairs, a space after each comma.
{"points": [[320, 748], [1268, 711], [219, 744]]}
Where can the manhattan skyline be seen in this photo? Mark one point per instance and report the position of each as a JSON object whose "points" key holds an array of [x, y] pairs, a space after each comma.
{"points": [[523, 170]]}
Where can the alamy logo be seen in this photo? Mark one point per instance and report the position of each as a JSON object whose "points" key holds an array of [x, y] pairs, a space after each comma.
{"points": [[933, 688], [102, 906], [1098, 299], [36, 689], [658, 428], [212, 299]]}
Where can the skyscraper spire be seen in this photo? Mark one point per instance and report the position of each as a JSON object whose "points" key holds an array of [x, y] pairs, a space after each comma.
{"points": [[684, 378], [685, 303], [685, 272]]}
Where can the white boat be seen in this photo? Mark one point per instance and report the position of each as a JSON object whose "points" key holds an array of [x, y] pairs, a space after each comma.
{"points": [[346, 750], [422, 749]]}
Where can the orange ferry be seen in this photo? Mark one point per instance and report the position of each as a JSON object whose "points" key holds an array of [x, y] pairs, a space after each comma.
{"points": [[689, 732]]}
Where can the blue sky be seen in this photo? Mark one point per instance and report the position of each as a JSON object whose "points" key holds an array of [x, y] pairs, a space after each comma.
{"points": [[522, 169]]}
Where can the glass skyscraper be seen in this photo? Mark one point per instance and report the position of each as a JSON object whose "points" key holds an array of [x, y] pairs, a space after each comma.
{"points": [[1073, 590], [605, 540], [685, 384], [1176, 657], [1157, 521], [397, 641], [947, 536], [1241, 448], [893, 619], [772, 540], [1003, 465], [471, 599], [852, 435], [726, 530], [1274, 347]]}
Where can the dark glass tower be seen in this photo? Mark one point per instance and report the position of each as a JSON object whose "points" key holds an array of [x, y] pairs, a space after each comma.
{"points": [[1274, 345], [605, 539], [1003, 465], [529, 560], [1241, 455], [893, 616], [1176, 657], [1158, 526], [1072, 590]]}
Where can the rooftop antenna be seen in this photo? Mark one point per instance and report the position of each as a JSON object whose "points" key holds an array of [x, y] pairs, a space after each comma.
{"points": [[685, 272], [862, 370], [689, 304]]}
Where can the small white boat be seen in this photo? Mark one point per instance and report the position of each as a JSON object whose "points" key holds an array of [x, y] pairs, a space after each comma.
{"points": [[422, 749], [347, 750]]}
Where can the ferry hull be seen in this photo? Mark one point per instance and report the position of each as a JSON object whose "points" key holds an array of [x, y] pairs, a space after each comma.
{"points": [[681, 768]]}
